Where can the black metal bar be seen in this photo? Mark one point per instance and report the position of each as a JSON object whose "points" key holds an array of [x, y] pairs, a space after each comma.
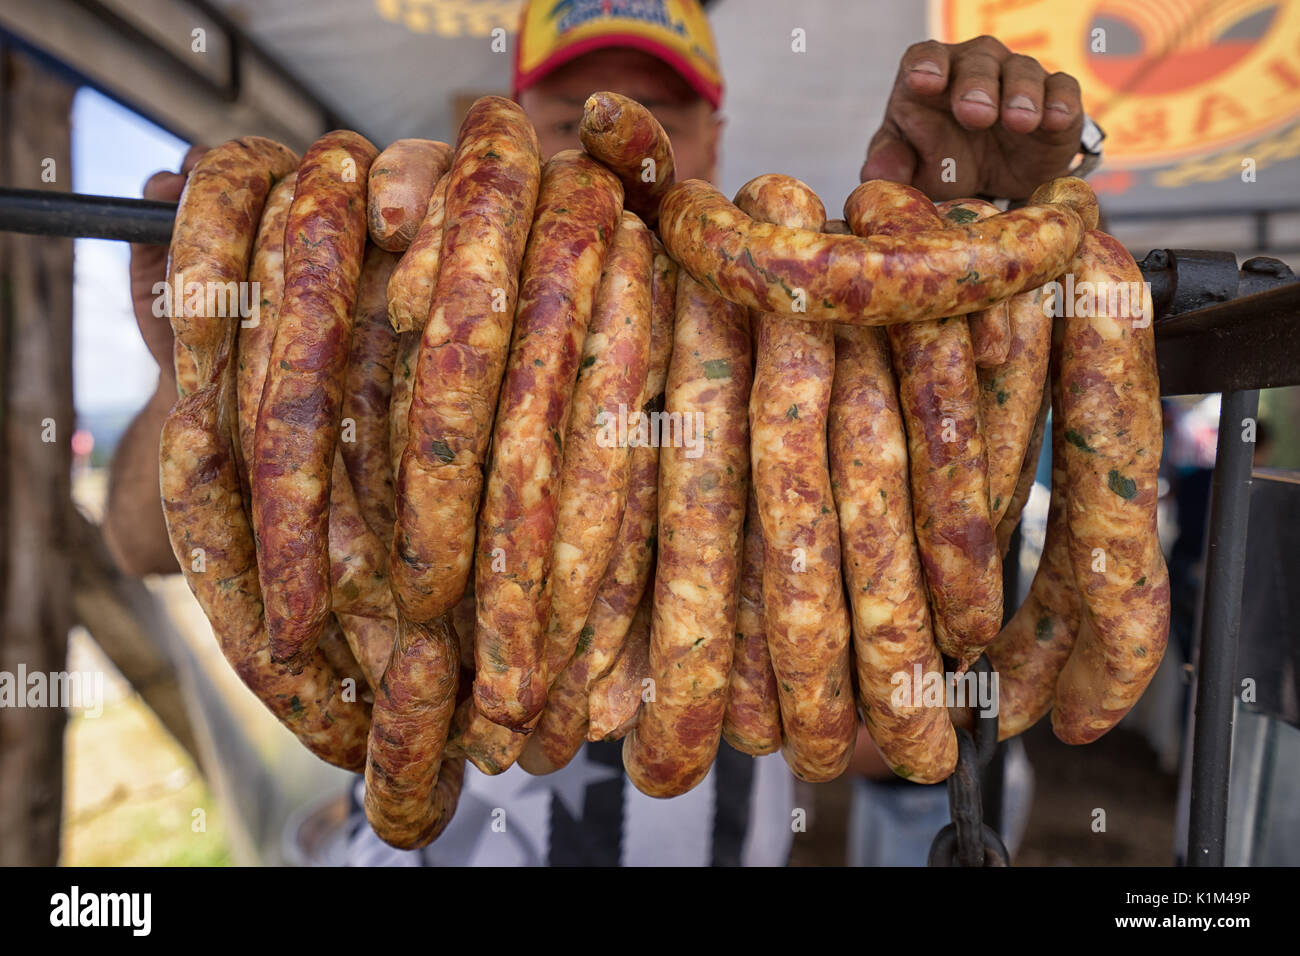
{"points": [[43, 213], [1220, 626]]}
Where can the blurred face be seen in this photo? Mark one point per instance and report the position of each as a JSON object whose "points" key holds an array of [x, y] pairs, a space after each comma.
{"points": [[554, 104]]}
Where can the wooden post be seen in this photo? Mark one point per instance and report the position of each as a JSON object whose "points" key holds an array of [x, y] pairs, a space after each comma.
{"points": [[36, 425]]}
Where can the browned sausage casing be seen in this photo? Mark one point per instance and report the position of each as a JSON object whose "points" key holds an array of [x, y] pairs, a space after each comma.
{"points": [[1025, 483], [401, 181], [892, 633], [1031, 650], [702, 479], [875, 281], [753, 720], [399, 403], [939, 396], [368, 388], [804, 615], [408, 801], [990, 329], [623, 135], [620, 591], [254, 343], [615, 699], [213, 543], [410, 287], [490, 199], [1110, 398], [298, 420], [212, 240], [577, 213], [597, 458]]}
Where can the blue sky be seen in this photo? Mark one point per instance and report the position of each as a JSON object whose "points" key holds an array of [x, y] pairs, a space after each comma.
{"points": [[113, 152]]}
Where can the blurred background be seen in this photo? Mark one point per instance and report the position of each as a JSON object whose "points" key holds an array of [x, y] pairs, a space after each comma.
{"points": [[1200, 102]]}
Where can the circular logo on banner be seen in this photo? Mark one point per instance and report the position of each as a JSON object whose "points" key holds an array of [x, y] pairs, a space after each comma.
{"points": [[1166, 79]]}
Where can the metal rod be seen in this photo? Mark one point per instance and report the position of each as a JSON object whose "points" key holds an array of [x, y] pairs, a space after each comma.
{"points": [[43, 213], [1220, 626]]}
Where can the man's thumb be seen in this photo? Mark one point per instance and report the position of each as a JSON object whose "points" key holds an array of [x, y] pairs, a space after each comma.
{"points": [[889, 157]]}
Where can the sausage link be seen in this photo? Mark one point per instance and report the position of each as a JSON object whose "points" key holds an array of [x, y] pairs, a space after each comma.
{"points": [[804, 615], [753, 720], [1025, 483], [401, 181], [213, 543], [597, 458], [1031, 650], [358, 584], [298, 420], [491, 748], [614, 702], [490, 200], [408, 803], [266, 274], [370, 643], [990, 329], [212, 241], [939, 395], [620, 591], [891, 621], [368, 388], [1110, 400], [1073, 192], [873, 281], [702, 479], [399, 403], [337, 652], [623, 135], [577, 213], [410, 287], [187, 371]]}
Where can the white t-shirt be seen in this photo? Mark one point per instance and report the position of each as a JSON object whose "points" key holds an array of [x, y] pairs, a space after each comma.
{"points": [[589, 814]]}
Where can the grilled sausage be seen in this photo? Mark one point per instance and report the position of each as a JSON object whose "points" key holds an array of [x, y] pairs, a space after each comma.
{"points": [[408, 801], [939, 396], [298, 420], [623, 135], [753, 720], [266, 271], [892, 632], [490, 199], [1031, 650], [990, 329], [401, 181], [577, 213], [410, 287], [1110, 402], [1025, 483], [212, 240], [597, 458], [804, 615], [399, 403], [615, 698], [366, 395], [702, 480], [883, 279], [213, 543]]}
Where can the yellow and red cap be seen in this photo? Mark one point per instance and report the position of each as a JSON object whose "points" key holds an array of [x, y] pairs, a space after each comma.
{"points": [[553, 32]]}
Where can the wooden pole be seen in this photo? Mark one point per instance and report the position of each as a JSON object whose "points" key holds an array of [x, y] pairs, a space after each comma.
{"points": [[36, 425]]}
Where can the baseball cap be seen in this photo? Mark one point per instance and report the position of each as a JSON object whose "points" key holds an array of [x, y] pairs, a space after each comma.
{"points": [[553, 32]]}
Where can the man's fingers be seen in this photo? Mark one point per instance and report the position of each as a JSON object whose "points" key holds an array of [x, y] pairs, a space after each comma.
{"points": [[975, 87], [889, 157], [164, 185], [1022, 93], [924, 68], [192, 156], [1062, 103]]}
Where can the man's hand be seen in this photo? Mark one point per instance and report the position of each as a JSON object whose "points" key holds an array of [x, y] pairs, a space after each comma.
{"points": [[149, 267], [1006, 124]]}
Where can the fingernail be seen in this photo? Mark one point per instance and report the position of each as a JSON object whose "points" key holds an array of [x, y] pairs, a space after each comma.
{"points": [[978, 96], [1057, 106], [927, 66], [1021, 102]]}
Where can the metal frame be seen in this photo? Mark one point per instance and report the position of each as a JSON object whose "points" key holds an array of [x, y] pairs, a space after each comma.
{"points": [[1242, 334]]}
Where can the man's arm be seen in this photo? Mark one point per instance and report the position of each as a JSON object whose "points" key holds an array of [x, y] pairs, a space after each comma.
{"points": [[133, 520]]}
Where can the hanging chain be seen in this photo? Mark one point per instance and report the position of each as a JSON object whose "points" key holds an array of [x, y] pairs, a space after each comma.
{"points": [[968, 840]]}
